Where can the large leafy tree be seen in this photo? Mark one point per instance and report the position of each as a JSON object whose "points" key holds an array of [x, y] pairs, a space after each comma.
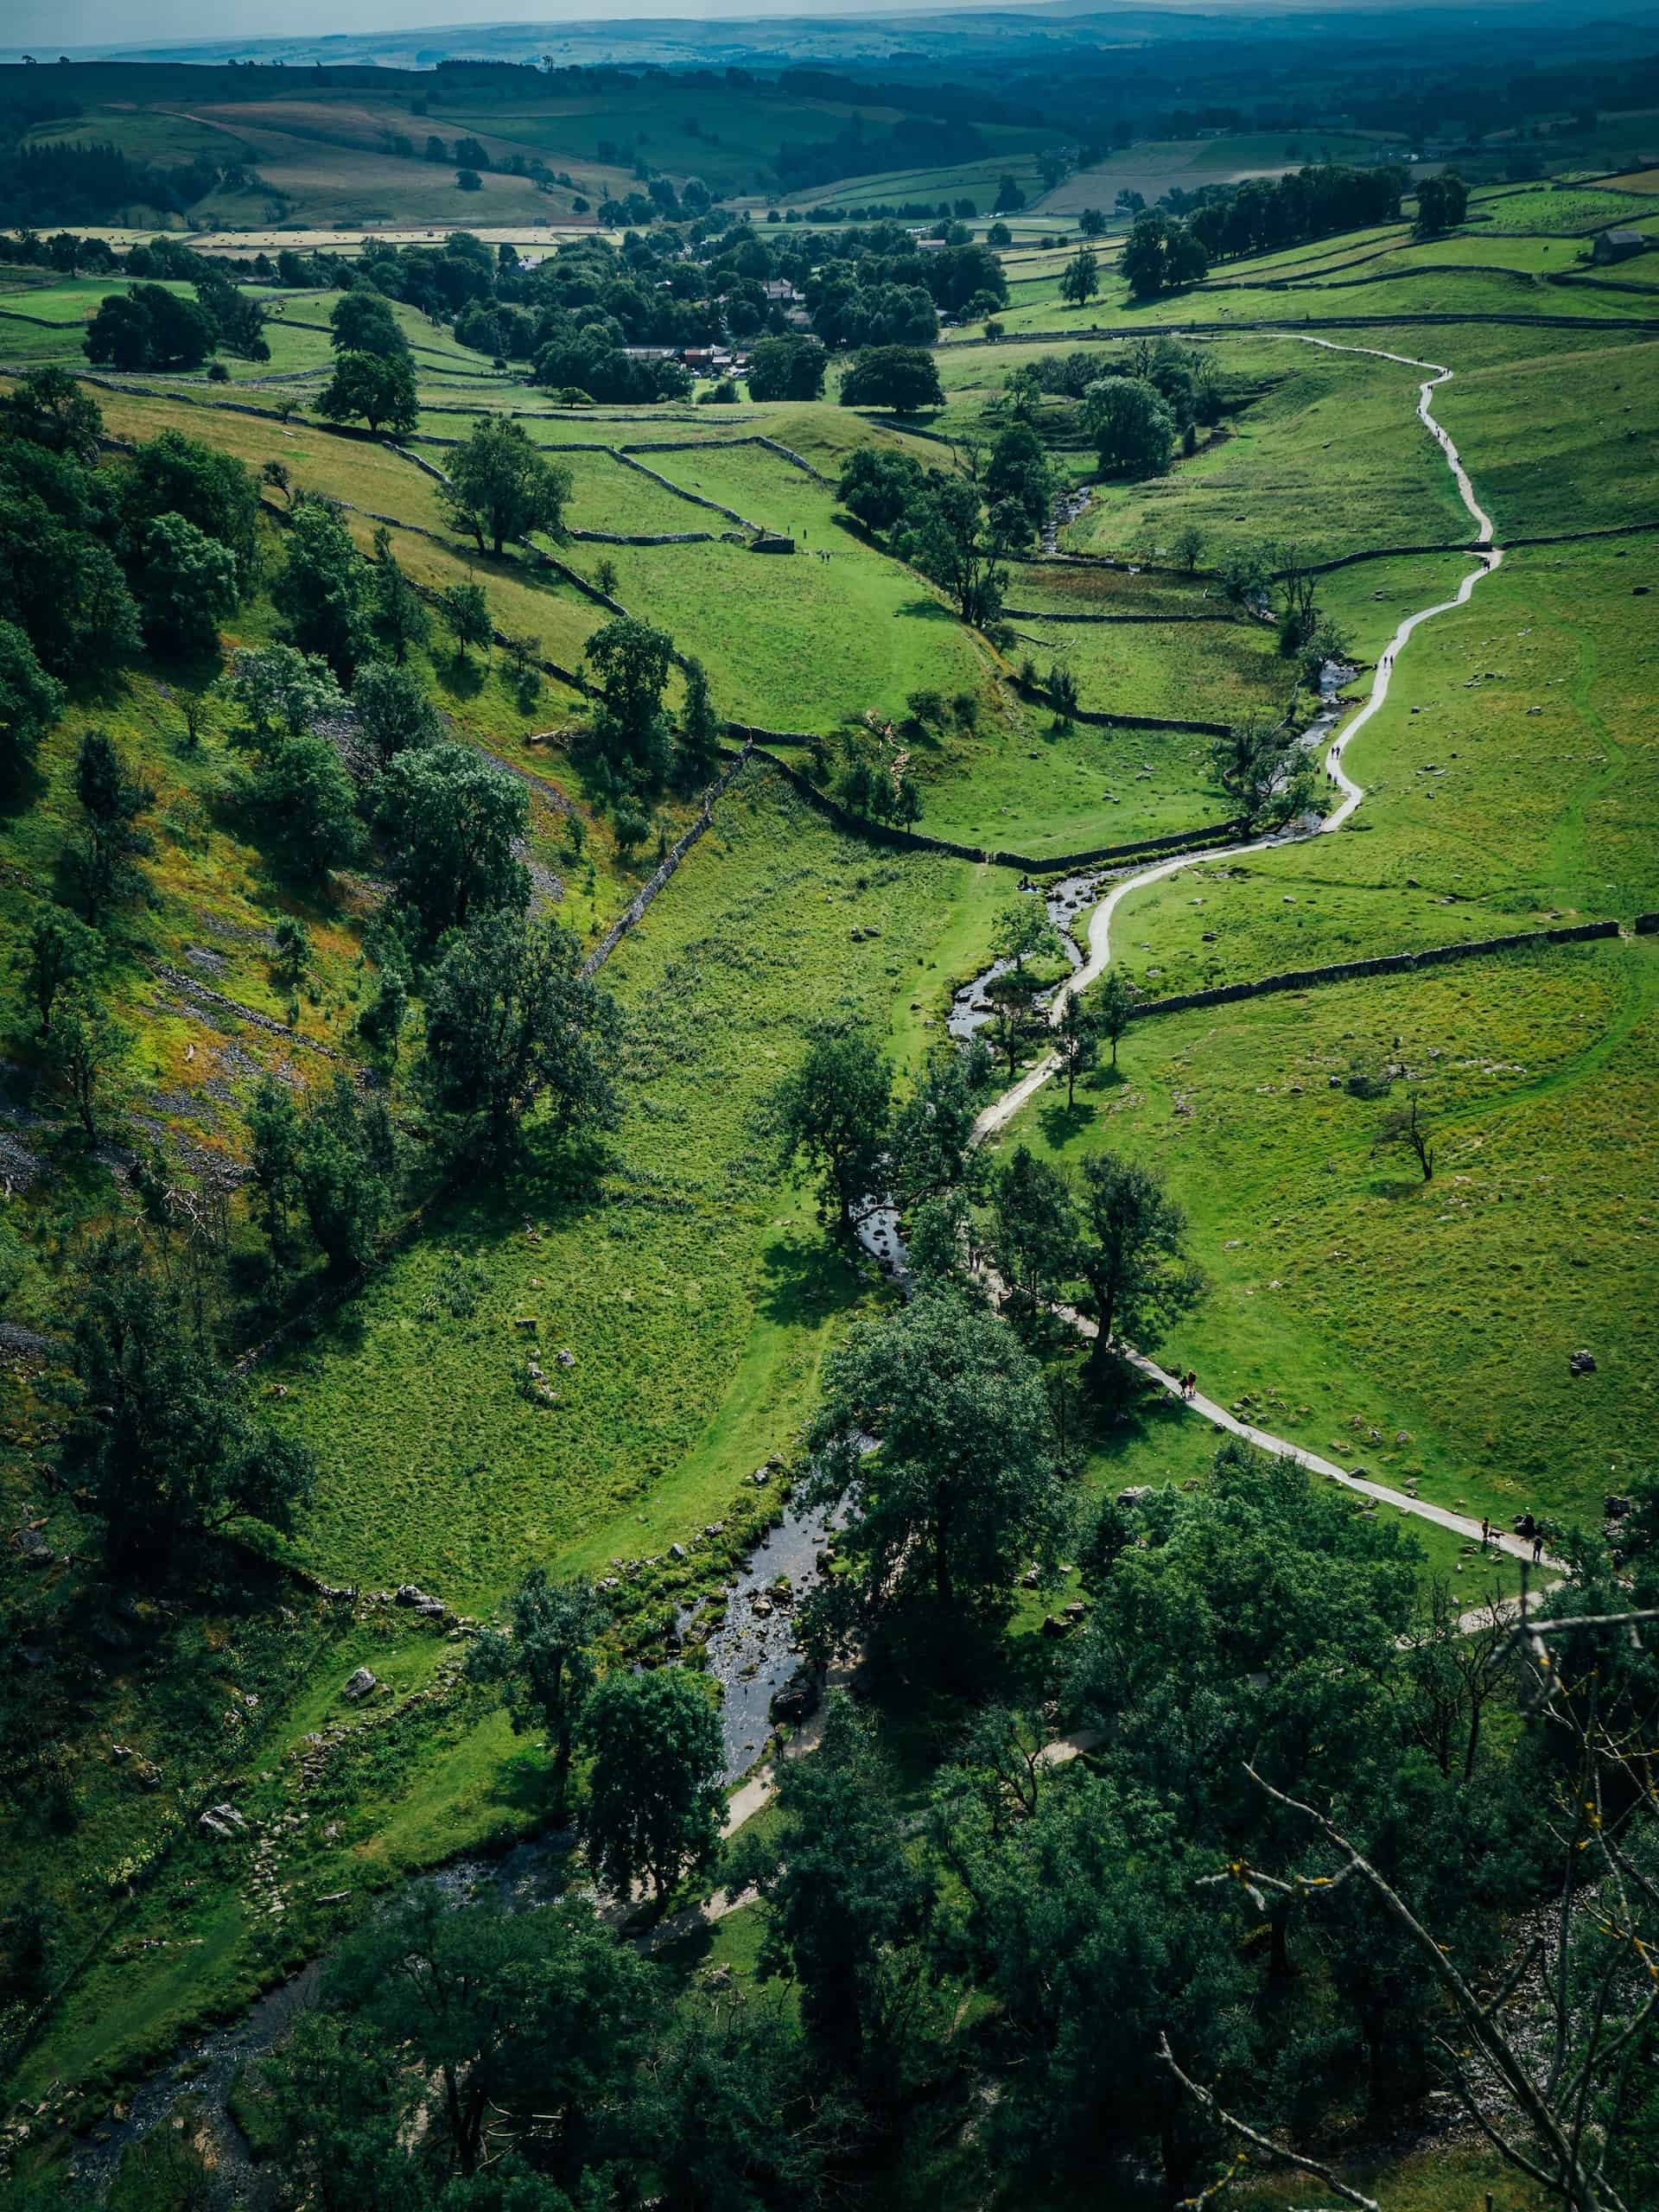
{"points": [[786, 368], [655, 1799], [363, 322], [59, 584], [161, 1442], [62, 952], [528, 2023], [30, 701], [845, 1898], [903, 378], [175, 475], [961, 1486], [345, 1171], [396, 612], [931, 1152], [281, 692], [304, 795], [1020, 469], [502, 485], [1081, 1917], [392, 711], [48, 407], [1033, 1230], [321, 591], [1160, 254], [630, 661], [452, 821], [113, 840], [878, 488], [511, 1018], [188, 586], [465, 612], [1130, 425], [543, 1664], [377, 389], [730, 2115], [1080, 278], [150, 328], [952, 537], [831, 1117], [1131, 1251], [696, 744], [1265, 767]]}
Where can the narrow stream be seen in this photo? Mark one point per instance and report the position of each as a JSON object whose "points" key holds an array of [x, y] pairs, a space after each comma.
{"points": [[751, 1648]]}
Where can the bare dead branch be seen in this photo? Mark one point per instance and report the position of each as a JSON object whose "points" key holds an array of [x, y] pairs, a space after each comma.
{"points": [[1259, 2142]]}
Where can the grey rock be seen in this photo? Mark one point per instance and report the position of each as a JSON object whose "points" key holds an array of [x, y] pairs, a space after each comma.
{"points": [[359, 1686]]}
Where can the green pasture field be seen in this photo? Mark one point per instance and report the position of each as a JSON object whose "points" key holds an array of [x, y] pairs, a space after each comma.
{"points": [[1188, 672], [1530, 259], [1571, 210], [1152, 168], [1332, 456], [1352, 1302], [690, 1279], [327, 184], [738, 129], [977, 180], [166, 138], [1019, 786], [1054, 588], [1482, 815], [1564, 441], [792, 642], [608, 495]]}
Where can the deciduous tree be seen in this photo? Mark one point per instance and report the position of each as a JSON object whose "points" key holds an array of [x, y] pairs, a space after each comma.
{"points": [[544, 1665], [654, 1799], [161, 1440], [962, 1487], [502, 485], [453, 820], [511, 1018], [377, 389], [1131, 1252], [831, 1118]]}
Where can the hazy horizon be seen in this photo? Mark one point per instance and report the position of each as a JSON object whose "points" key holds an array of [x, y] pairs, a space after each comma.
{"points": [[86, 28], [80, 25]]}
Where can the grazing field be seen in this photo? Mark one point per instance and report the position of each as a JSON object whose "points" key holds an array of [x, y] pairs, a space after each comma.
{"points": [[1511, 782], [689, 1280], [1189, 671], [1224, 158], [794, 642], [1573, 210], [1414, 1329], [1568, 442]]}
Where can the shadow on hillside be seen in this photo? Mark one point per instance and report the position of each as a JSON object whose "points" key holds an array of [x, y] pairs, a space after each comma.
{"points": [[805, 1280]]}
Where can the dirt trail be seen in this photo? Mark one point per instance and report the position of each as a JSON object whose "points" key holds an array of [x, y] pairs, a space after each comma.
{"points": [[1001, 1112]]}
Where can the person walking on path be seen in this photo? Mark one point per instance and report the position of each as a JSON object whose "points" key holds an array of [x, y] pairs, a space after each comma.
{"points": [[1537, 1546], [1189, 1383], [1485, 1532]]}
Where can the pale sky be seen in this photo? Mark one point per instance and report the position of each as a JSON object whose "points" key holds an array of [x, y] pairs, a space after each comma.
{"points": [[45, 26]]}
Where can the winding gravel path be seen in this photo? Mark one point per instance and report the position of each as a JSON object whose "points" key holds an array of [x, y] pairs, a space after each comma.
{"points": [[1001, 1112]]}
